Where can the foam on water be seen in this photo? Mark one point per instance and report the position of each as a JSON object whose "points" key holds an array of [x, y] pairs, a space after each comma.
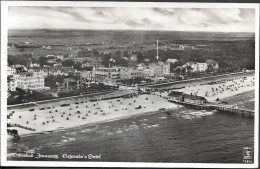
{"points": [[68, 139], [88, 130], [191, 114], [119, 131], [72, 133], [162, 117]]}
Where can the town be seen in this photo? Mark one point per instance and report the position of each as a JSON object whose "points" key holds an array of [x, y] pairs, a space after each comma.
{"points": [[72, 76], [124, 82]]}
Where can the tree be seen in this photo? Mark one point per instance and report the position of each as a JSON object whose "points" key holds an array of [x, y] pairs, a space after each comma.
{"points": [[140, 57], [105, 59], [67, 63], [23, 59], [84, 53], [42, 61], [78, 66]]}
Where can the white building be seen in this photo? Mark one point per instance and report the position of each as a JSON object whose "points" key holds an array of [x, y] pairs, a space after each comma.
{"points": [[34, 64], [28, 81], [159, 69], [11, 71], [101, 73], [196, 66], [38, 72], [172, 61], [200, 67], [12, 84], [86, 74]]}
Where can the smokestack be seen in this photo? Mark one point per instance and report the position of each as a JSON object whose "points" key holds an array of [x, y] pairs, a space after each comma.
{"points": [[157, 56], [157, 47]]}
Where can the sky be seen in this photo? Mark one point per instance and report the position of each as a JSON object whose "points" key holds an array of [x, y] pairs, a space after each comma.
{"points": [[123, 18]]}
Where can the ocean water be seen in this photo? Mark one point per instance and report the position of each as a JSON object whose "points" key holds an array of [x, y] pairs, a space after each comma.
{"points": [[184, 136]]}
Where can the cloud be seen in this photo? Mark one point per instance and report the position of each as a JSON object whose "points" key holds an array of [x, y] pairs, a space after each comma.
{"points": [[175, 19]]}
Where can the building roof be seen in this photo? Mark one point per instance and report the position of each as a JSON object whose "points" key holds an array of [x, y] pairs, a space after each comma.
{"points": [[194, 97], [171, 60], [175, 94], [189, 63], [63, 70]]}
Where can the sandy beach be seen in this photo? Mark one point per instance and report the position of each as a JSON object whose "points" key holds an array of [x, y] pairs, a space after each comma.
{"points": [[82, 112], [50, 116], [221, 89]]}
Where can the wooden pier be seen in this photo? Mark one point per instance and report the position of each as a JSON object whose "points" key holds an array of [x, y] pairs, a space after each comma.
{"points": [[218, 108]]}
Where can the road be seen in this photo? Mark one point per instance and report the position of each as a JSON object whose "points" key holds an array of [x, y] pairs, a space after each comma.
{"points": [[202, 78], [59, 99]]}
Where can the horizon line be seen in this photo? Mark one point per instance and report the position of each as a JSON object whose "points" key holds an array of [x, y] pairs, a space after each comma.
{"points": [[65, 29]]}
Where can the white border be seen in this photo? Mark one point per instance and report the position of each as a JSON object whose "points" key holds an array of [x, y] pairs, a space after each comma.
{"points": [[4, 16]]}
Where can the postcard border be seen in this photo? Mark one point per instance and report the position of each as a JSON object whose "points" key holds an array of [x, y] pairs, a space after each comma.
{"points": [[4, 15]]}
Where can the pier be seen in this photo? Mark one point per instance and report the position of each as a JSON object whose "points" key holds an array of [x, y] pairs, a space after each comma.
{"points": [[219, 108]]}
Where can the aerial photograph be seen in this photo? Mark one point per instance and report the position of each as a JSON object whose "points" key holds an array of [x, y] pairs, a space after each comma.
{"points": [[130, 84]]}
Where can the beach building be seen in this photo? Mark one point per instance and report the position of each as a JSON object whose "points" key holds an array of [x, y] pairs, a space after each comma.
{"points": [[133, 72], [180, 96], [101, 73], [159, 69], [28, 81], [175, 96], [196, 66], [194, 99]]}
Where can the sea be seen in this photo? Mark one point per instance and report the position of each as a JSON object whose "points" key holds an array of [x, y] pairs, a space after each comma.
{"points": [[183, 136]]}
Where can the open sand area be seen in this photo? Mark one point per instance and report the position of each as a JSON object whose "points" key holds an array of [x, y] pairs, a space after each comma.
{"points": [[83, 112], [222, 88]]}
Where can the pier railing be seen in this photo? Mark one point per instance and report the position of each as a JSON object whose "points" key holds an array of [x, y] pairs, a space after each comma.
{"points": [[218, 108]]}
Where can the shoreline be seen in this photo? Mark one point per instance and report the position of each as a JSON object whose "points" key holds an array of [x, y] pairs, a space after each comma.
{"points": [[102, 110], [101, 122], [82, 112], [113, 119]]}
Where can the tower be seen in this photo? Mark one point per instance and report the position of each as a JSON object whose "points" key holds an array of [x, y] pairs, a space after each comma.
{"points": [[157, 56]]}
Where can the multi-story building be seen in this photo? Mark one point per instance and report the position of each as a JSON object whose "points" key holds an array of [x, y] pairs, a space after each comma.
{"points": [[101, 73], [11, 83], [38, 72], [63, 71], [159, 69], [86, 74], [196, 66], [28, 81], [132, 72], [11, 70]]}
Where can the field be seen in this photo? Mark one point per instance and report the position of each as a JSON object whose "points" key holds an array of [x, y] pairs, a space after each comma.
{"points": [[111, 41]]}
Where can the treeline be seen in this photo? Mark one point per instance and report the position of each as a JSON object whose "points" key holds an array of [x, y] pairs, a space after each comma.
{"points": [[230, 55]]}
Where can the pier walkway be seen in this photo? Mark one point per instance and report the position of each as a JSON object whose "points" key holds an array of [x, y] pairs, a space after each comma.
{"points": [[219, 108]]}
